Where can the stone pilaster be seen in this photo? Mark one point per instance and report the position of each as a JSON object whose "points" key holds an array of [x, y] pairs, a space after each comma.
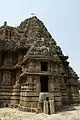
{"points": [[45, 108]]}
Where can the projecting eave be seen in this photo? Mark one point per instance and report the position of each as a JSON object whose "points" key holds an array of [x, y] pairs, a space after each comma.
{"points": [[64, 58], [41, 58]]}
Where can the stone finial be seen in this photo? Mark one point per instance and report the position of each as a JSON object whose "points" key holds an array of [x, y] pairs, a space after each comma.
{"points": [[5, 23]]}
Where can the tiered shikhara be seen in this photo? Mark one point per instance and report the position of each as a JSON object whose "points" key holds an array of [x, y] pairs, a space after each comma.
{"points": [[34, 73]]}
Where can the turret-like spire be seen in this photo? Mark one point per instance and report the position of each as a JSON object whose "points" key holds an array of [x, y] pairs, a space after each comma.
{"points": [[5, 23]]}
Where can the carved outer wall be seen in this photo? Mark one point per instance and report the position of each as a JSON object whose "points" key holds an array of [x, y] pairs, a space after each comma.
{"points": [[22, 50]]}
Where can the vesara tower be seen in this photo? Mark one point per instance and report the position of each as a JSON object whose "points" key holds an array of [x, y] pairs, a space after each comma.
{"points": [[34, 73]]}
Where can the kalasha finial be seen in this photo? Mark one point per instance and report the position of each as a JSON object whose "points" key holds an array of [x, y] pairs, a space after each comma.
{"points": [[33, 14], [5, 23]]}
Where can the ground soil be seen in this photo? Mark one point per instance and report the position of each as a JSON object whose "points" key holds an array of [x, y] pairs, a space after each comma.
{"points": [[68, 113]]}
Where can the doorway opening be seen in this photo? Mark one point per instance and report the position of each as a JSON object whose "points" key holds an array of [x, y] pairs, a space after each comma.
{"points": [[44, 83], [47, 99], [44, 66]]}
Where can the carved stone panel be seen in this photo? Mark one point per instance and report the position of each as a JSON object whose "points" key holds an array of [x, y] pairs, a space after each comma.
{"points": [[0, 77], [6, 78], [0, 58], [7, 61]]}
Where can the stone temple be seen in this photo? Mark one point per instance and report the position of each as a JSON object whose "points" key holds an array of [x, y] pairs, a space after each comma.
{"points": [[34, 73]]}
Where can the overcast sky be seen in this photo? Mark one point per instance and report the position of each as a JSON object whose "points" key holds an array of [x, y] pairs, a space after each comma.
{"points": [[61, 17]]}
